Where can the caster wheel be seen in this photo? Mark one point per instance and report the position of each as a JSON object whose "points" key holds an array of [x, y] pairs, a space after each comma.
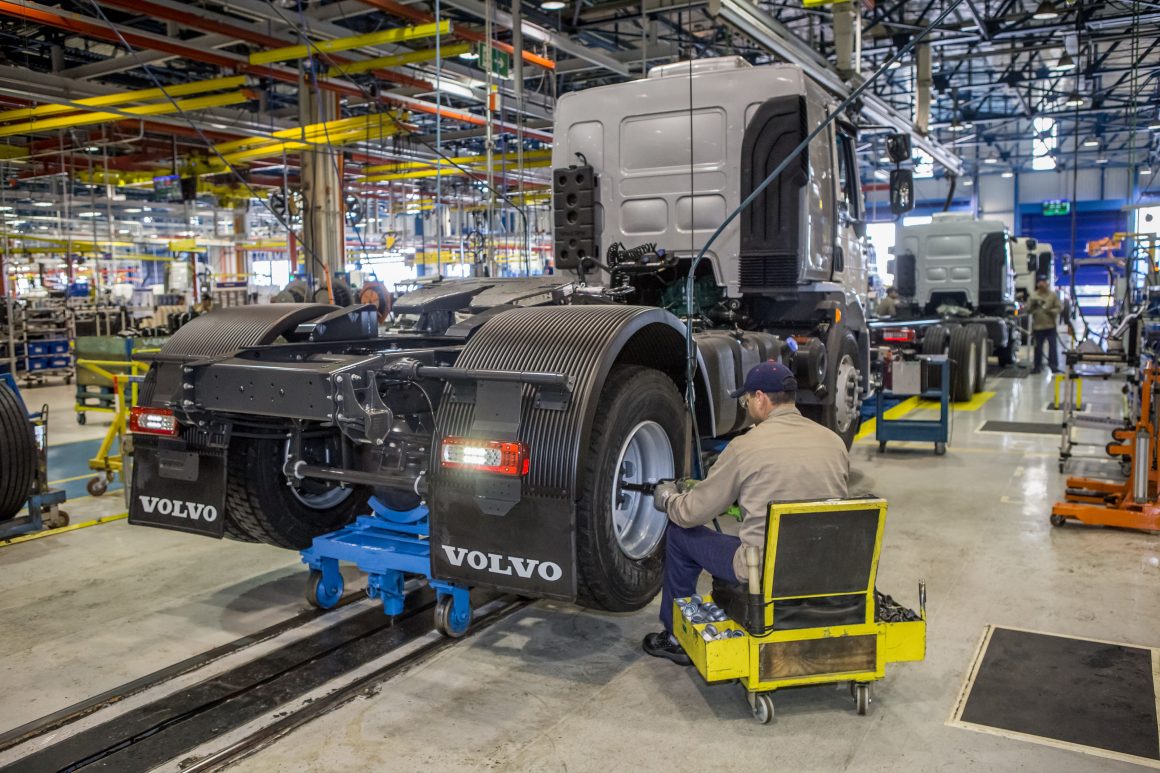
{"points": [[320, 595], [862, 698], [940, 449], [97, 486], [762, 708], [447, 621], [1061, 466], [1058, 520], [81, 419], [882, 447]]}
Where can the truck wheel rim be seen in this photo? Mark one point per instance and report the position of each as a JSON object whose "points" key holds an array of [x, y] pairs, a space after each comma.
{"points": [[846, 403], [972, 368], [324, 498], [645, 456]]}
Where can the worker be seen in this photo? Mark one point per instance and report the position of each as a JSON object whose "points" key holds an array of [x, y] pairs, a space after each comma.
{"points": [[1044, 307], [888, 306], [783, 457]]}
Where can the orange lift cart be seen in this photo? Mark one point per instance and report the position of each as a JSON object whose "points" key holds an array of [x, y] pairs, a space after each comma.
{"points": [[1130, 504]]}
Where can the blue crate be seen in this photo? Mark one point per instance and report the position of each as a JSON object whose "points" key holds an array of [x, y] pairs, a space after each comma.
{"points": [[38, 348], [38, 363], [59, 362], [58, 347]]}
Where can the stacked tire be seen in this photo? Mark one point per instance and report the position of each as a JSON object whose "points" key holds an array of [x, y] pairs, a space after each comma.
{"points": [[18, 452]]}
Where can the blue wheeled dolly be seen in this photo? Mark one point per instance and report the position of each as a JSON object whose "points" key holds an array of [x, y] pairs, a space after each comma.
{"points": [[388, 545], [935, 431]]}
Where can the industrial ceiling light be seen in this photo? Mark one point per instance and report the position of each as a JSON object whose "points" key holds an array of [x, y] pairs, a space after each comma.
{"points": [[42, 203], [132, 210], [88, 214], [1065, 63], [895, 64], [1154, 125], [469, 55], [968, 182], [1008, 174], [1102, 159], [92, 149], [1145, 170], [1073, 100], [552, 5], [960, 126], [1091, 142], [1045, 11], [990, 160]]}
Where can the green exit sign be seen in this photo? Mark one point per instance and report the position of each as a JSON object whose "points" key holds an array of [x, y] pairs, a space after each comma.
{"points": [[1057, 207], [499, 62]]}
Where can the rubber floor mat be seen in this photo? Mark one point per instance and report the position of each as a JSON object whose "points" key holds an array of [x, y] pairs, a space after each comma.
{"points": [[1024, 427], [1090, 696]]}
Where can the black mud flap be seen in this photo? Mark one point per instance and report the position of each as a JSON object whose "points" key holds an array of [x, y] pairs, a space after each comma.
{"points": [[528, 550], [174, 488]]}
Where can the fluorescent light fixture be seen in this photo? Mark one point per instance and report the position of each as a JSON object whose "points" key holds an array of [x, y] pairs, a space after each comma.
{"points": [[132, 210], [469, 55], [122, 230], [92, 149], [5, 209], [147, 209], [959, 126], [88, 214], [1007, 174], [1045, 11], [1073, 100], [990, 160], [42, 203], [1102, 159], [968, 182], [1154, 125], [1145, 170], [552, 5], [42, 228], [1091, 142], [1064, 63], [895, 64]]}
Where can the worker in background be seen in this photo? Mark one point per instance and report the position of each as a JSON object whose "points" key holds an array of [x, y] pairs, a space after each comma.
{"points": [[783, 457], [1044, 307], [888, 306]]}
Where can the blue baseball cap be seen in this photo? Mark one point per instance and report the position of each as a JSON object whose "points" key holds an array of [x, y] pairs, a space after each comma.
{"points": [[768, 377]]}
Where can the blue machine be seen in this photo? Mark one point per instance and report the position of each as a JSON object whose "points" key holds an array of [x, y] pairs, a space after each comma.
{"points": [[921, 430], [43, 503], [388, 545]]}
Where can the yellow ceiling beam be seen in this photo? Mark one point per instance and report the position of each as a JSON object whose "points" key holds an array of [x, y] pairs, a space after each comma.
{"points": [[529, 155], [449, 171], [120, 98], [309, 131], [163, 108], [341, 137], [398, 60], [380, 38]]}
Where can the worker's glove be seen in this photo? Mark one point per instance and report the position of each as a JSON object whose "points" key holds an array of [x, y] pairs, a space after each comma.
{"points": [[665, 491]]}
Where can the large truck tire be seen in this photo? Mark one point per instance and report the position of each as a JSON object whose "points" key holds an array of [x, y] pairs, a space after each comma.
{"points": [[841, 412], [1009, 353], [935, 340], [964, 363], [18, 452], [984, 344], [262, 507], [639, 431]]}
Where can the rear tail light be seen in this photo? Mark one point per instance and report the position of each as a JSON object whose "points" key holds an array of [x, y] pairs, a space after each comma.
{"points": [[153, 421], [905, 335], [502, 458]]}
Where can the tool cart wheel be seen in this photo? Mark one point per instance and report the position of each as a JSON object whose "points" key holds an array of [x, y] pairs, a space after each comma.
{"points": [[81, 419], [1057, 520], [940, 448], [861, 692], [450, 622], [762, 707], [97, 486], [881, 446], [321, 595]]}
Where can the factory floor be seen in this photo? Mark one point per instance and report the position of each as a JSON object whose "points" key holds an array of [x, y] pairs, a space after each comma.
{"points": [[557, 688]]}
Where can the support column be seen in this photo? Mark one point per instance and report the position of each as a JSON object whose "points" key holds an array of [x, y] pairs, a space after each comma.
{"points": [[922, 87], [323, 237]]}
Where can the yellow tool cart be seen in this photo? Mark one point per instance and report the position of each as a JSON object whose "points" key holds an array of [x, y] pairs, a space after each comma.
{"points": [[810, 613]]}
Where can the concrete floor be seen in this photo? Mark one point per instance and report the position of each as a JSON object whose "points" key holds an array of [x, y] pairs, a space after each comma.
{"points": [[556, 688]]}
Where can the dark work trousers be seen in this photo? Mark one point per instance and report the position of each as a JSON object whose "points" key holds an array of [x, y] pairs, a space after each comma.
{"points": [[689, 552], [1049, 337]]}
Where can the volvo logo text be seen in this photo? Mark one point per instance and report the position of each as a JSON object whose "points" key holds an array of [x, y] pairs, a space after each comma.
{"points": [[495, 563], [178, 508]]}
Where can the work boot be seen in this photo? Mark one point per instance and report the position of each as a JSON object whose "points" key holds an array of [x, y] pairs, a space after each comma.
{"points": [[663, 645]]}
